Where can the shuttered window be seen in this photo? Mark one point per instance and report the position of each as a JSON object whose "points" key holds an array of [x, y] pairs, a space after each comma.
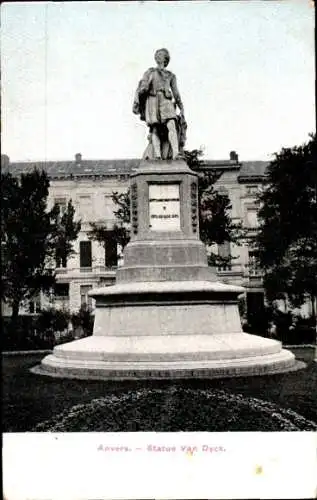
{"points": [[224, 250], [224, 253], [111, 251], [85, 300], [85, 254]]}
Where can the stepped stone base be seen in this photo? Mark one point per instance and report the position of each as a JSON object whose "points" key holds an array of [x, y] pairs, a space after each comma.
{"points": [[167, 316], [106, 358], [167, 330], [165, 260]]}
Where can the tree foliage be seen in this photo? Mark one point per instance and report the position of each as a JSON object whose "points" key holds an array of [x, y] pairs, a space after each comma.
{"points": [[120, 229], [287, 240], [65, 232], [32, 236], [216, 225]]}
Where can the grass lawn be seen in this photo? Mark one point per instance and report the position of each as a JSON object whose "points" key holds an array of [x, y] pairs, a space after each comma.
{"points": [[30, 399]]}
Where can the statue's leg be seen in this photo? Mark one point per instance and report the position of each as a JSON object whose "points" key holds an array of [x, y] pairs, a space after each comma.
{"points": [[148, 153], [173, 138], [156, 143], [166, 150]]}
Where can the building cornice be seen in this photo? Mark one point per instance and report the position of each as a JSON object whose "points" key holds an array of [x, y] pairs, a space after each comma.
{"points": [[120, 169]]}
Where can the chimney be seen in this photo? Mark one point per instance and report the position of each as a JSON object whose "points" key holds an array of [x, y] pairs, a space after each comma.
{"points": [[78, 158], [5, 161], [234, 156]]}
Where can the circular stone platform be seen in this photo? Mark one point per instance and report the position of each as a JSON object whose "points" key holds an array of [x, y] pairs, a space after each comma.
{"points": [[167, 330]]}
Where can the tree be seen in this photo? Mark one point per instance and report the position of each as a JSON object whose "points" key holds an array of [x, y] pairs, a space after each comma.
{"points": [[32, 237], [216, 226], [287, 239], [120, 230], [66, 231], [215, 223]]}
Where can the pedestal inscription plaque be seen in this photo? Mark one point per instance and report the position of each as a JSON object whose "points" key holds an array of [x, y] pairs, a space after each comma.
{"points": [[164, 207]]}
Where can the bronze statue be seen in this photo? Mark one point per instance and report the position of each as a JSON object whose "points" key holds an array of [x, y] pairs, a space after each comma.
{"points": [[155, 101]]}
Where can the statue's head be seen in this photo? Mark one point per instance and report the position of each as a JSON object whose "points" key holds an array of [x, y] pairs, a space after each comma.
{"points": [[162, 56]]}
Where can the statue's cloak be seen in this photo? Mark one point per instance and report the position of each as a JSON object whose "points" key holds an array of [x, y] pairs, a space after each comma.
{"points": [[139, 103]]}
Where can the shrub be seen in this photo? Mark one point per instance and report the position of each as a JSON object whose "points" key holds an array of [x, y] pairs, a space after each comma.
{"points": [[52, 319], [259, 323], [50, 325], [292, 329], [84, 320], [25, 335], [304, 331]]}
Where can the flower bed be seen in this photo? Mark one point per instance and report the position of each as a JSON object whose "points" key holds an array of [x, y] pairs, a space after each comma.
{"points": [[176, 409]]}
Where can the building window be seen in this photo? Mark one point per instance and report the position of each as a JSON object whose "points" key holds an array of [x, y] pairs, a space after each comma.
{"points": [[61, 260], [60, 257], [62, 205], [254, 267], [111, 250], [85, 254], [35, 305], [252, 190], [224, 256], [120, 251], [85, 208], [252, 218], [61, 290], [106, 282], [61, 294], [85, 300]]}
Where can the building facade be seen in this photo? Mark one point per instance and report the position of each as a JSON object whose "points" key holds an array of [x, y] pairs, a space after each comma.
{"points": [[90, 184]]}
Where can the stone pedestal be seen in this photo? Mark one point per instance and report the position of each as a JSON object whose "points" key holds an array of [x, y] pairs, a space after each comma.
{"points": [[165, 244], [166, 316]]}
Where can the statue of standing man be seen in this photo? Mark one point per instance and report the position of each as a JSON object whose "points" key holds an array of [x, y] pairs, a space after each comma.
{"points": [[156, 101]]}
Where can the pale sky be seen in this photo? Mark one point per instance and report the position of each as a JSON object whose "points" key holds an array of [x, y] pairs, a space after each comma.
{"points": [[245, 71]]}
